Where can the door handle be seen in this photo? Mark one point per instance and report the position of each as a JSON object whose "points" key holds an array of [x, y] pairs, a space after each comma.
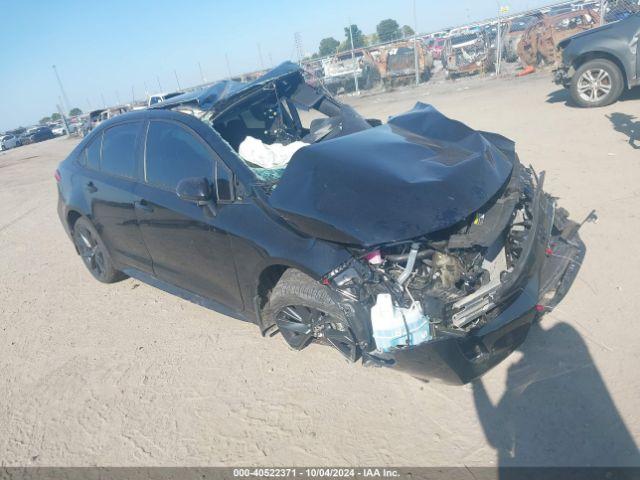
{"points": [[91, 188], [143, 205]]}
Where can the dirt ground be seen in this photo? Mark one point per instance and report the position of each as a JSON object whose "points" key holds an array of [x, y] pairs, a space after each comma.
{"points": [[125, 374]]}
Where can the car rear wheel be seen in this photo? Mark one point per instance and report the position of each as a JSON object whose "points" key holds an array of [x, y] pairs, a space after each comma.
{"points": [[304, 312], [93, 252], [597, 83]]}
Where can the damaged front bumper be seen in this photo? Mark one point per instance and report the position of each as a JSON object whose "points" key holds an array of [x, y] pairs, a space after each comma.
{"points": [[553, 254], [562, 75]]}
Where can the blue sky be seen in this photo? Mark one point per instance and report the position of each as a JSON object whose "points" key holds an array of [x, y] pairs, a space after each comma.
{"points": [[104, 48]]}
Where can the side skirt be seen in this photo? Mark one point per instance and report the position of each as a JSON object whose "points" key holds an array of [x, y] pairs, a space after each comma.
{"points": [[187, 295]]}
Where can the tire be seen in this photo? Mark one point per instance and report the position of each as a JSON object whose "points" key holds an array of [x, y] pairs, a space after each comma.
{"points": [[297, 294], [93, 252], [600, 76]]}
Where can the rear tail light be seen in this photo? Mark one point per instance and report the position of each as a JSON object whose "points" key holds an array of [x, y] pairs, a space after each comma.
{"points": [[57, 176]]}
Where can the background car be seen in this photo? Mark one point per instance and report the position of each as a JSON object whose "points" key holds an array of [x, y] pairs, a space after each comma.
{"points": [[597, 65], [36, 134], [9, 141]]}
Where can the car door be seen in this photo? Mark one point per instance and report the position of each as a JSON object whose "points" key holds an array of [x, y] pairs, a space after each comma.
{"points": [[189, 246], [112, 167]]}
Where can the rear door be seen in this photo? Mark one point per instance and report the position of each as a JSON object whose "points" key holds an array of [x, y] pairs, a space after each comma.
{"points": [[189, 247], [112, 159]]}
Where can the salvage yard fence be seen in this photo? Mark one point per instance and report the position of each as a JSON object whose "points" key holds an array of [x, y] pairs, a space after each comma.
{"points": [[510, 43]]}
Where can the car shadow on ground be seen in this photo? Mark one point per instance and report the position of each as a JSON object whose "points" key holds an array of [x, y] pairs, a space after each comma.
{"points": [[562, 95], [628, 125], [556, 410]]}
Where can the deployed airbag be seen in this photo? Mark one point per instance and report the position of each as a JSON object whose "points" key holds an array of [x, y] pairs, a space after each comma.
{"points": [[268, 156]]}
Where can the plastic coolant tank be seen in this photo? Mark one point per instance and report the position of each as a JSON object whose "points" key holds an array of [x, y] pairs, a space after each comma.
{"points": [[394, 326]]}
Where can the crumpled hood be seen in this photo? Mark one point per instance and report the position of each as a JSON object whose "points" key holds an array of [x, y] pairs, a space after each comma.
{"points": [[420, 173]]}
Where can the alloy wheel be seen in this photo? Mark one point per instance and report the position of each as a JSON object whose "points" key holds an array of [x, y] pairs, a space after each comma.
{"points": [[594, 84], [90, 251]]}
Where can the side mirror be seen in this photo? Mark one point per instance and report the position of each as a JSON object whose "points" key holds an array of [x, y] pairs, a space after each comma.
{"points": [[194, 189]]}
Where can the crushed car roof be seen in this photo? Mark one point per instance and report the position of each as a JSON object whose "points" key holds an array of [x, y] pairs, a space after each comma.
{"points": [[207, 98]]}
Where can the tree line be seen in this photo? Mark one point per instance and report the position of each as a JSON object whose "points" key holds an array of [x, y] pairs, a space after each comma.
{"points": [[54, 117], [386, 31]]}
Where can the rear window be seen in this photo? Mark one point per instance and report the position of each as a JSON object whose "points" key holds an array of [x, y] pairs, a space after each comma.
{"points": [[119, 150]]}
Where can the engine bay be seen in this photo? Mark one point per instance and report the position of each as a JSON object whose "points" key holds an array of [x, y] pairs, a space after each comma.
{"points": [[453, 276]]}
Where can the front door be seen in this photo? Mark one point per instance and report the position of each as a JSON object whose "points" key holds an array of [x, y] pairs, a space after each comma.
{"points": [[189, 248]]}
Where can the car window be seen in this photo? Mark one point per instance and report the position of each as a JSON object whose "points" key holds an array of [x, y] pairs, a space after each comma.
{"points": [[119, 150], [173, 153], [92, 153]]}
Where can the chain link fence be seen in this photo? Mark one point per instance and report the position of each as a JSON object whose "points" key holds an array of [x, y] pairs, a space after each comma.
{"points": [[511, 43]]}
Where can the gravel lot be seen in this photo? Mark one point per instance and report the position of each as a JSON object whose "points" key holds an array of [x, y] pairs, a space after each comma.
{"points": [[92, 374]]}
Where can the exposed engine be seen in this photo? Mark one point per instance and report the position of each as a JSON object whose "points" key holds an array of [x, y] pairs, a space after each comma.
{"points": [[453, 276], [475, 257]]}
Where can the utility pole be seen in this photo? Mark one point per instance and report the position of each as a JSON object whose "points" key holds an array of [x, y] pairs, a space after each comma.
{"points": [[64, 120], [146, 90], [204, 80], [226, 57], [415, 44], [159, 84], [133, 96], [260, 56], [501, 10], [177, 81], [353, 59], [64, 95], [297, 37]]}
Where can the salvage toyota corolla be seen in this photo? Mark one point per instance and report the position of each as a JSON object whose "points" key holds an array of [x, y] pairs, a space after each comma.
{"points": [[420, 244]]}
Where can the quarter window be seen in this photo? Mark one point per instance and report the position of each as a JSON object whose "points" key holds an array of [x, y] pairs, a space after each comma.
{"points": [[173, 153], [119, 150], [92, 153]]}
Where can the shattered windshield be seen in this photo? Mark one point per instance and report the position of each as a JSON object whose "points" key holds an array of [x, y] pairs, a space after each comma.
{"points": [[269, 126]]}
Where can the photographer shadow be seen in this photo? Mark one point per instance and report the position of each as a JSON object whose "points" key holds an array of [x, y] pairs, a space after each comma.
{"points": [[556, 410]]}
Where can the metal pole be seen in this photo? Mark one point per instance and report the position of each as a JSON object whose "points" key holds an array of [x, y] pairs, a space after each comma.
{"points": [[226, 57], [353, 58], [133, 96], [64, 120], [260, 56], [159, 84], [204, 80], [499, 43], [415, 44], [603, 5], [177, 81], [64, 95]]}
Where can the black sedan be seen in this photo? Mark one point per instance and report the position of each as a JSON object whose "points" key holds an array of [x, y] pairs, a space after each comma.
{"points": [[420, 244], [35, 135]]}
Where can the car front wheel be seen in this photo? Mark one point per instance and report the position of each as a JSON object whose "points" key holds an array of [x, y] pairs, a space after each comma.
{"points": [[304, 312], [597, 83]]}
